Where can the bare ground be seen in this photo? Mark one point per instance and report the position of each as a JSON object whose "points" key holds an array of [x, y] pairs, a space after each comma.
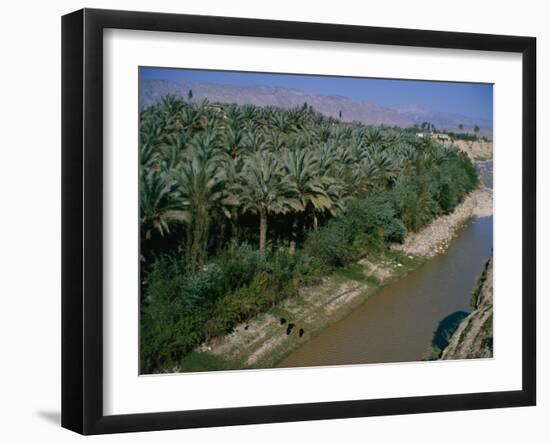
{"points": [[476, 150]]}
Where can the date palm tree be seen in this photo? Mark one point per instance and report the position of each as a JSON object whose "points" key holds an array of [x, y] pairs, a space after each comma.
{"points": [[231, 173], [200, 184], [159, 203], [302, 173], [263, 189], [386, 168], [254, 141], [233, 142]]}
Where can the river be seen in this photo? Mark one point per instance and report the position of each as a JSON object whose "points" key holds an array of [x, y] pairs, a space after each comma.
{"points": [[400, 322]]}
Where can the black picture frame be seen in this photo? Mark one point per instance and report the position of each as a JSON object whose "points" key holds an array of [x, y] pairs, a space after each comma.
{"points": [[82, 215]]}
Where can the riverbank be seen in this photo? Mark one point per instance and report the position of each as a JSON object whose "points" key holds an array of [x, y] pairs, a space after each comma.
{"points": [[435, 238], [265, 340], [478, 150], [474, 336]]}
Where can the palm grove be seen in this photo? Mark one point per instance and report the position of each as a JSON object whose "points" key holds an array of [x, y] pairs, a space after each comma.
{"points": [[242, 205]]}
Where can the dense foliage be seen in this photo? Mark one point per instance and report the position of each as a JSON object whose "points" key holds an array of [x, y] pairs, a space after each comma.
{"points": [[240, 205]]}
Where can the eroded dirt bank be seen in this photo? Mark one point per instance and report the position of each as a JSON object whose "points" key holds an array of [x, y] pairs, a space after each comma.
{"points": [[478, 150]]}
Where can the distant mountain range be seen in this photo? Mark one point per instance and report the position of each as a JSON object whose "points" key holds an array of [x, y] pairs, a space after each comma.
{"points": [[152, 91], [445, 120]]}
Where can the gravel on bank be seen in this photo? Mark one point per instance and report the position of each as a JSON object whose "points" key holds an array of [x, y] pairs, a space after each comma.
{"points": [[436, 237]]}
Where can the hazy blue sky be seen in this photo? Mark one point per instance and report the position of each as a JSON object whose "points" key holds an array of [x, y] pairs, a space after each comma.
{"points": [[470, 99]]}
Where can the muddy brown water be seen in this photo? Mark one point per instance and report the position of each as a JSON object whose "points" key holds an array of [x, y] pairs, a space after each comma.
{"points": [[398, 323]]}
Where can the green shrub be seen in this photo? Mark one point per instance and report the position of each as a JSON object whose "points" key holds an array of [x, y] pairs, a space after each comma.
{"points": [[420, 198], [239, 264], [331, 244], [416, 205], [395, 231], [182, 306], [375, 219], [280, 266]]}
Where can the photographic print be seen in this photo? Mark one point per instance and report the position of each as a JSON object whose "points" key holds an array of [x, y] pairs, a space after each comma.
{"points": [[292, 220]]}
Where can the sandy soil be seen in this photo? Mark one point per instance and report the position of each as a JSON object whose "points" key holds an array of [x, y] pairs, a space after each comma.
{"points": [[476, 150]]}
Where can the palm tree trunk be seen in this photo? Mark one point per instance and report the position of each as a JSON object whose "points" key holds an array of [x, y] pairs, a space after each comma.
{"points": [[188, 242], [263, 230], [293, 235], [315, 221], [234, 225], [204, 239], [196, 243], [200, 237]]}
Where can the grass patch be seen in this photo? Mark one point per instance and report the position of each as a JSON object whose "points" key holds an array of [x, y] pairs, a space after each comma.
{"points": [[404, 259], [432, 353], [279, 312], [201, 362], [352, 272], [372, 280]]}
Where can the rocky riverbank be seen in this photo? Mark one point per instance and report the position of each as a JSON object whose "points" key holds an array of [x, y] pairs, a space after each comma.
{"points": [[436, 237], [474, 336]]}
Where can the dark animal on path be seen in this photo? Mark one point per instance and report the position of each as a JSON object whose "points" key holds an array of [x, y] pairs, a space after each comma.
{"points": [[289, 328], [301, 331], [246, 328], [283, 321]]}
